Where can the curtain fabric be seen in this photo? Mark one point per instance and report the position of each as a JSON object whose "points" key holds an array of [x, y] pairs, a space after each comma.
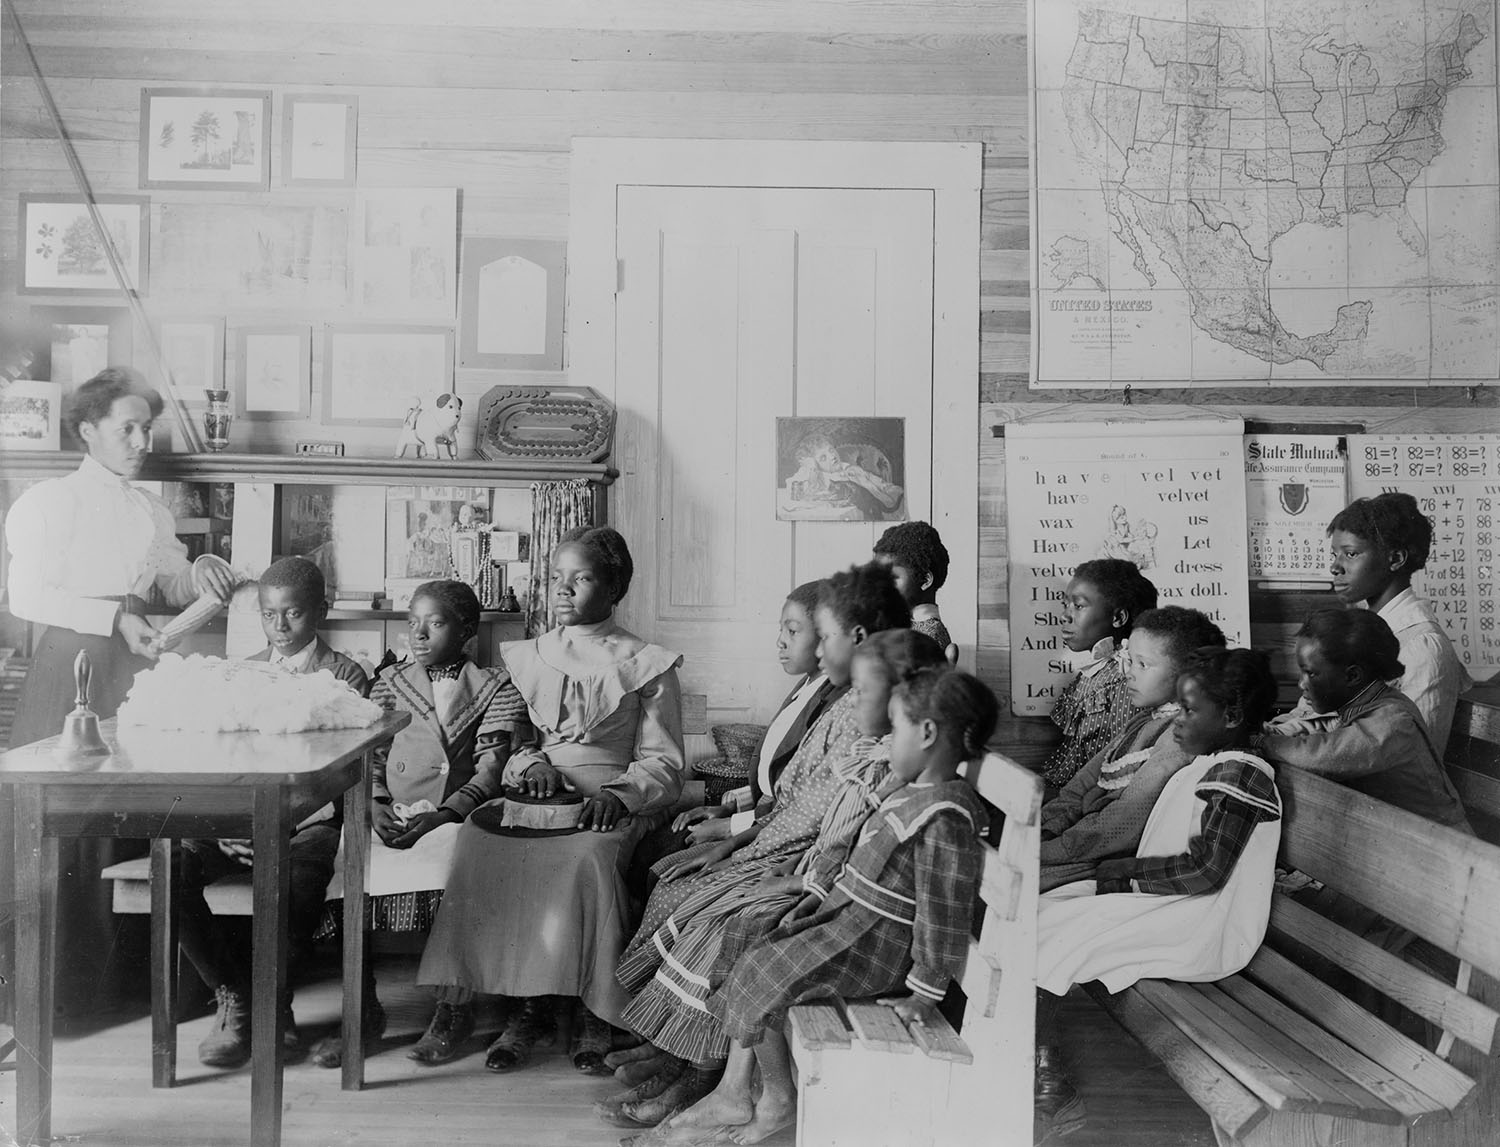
{"points": [[556, 508]]}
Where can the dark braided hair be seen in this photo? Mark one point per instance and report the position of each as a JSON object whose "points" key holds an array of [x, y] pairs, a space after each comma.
{"points": [[865, 595], [94, 399], [1356, 637], [806, 595], [902, 653], [456, 598], [1182, 630], [1122, 586], [1236, 680], [918, 547], [959, 704], [1389, 522], [300, 575], [608, 551]]}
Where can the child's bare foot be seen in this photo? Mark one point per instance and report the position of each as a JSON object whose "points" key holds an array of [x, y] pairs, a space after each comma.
{"points": [[772, 1113], [716, 1109]]}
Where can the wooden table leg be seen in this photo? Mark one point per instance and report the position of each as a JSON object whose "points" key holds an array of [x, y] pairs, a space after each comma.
{"points": [[36, 888], [356, 865], [163, 964], [272, 841]]}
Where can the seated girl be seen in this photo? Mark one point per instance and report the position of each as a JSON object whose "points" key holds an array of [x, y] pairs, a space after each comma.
{"points": [[1192, 903], [1102, 811], [690, 955], [448, 761], [797, 650], [1354, 727], [1100, 606], [1377, 544], [535, 913], [852, 606], [898, 915]]}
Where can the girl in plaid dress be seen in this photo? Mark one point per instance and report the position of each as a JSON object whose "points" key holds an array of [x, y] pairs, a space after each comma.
{"points": [[1193, 902], [898, 914]]}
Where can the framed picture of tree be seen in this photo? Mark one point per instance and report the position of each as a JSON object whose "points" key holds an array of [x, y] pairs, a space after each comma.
{"points": [[205, 138], [63, 251]]}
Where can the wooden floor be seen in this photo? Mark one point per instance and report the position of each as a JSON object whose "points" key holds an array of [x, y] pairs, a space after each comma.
{"points": [[103, 1097]]}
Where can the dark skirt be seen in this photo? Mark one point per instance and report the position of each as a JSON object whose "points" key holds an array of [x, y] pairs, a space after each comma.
{"points": [[93, 967]]}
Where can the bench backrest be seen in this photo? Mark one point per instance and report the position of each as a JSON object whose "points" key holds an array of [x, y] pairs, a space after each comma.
{"points": [[1473, 758], [1439, 883], [1000, 978]]}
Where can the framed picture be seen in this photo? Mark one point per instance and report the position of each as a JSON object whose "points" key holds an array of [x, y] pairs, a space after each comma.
{"points": [[317, 140], [403, 253], [192, 352], [841, 470], [510, 303], [205, 138], [76, 343], [62, 252], [375, 373], [275, 372], [30, 414]]}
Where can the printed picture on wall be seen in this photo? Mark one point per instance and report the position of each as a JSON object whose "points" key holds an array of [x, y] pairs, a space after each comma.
{"points": [[213, 139], [841, 470], [29, 414], [64, 253], [420, 521]]}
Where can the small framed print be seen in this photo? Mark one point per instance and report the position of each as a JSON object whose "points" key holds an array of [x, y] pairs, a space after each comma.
{"points": [[205, 139], [30, 415], [275, 372], [192, 353], [76, 343], [511, 303], [62, 252], [318, 134], [375, 374]]}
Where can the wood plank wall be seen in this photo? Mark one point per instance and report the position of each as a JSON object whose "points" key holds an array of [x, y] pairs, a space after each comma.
{"points": [[486, 95]]}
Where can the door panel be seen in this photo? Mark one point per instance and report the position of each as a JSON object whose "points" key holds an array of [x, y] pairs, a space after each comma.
{"points": [[737, 306]]}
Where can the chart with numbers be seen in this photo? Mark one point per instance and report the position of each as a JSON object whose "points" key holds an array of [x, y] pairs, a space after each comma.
{"points": [[1456, 481], [1294, 485]]}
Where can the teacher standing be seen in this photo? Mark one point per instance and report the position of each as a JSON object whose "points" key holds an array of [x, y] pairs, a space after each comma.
{"points": [[85, 550]]}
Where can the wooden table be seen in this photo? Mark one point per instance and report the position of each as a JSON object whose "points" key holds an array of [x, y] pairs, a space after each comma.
{"points": [[167, 786]]}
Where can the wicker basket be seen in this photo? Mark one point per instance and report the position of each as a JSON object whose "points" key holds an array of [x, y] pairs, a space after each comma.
{"points": [[739, 746]]}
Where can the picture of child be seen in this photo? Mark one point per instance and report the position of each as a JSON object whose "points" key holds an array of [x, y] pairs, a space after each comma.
{"points": [[840, 469]]}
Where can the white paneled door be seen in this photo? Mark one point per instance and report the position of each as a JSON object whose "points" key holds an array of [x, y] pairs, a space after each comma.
{"points": [[735, 306]]}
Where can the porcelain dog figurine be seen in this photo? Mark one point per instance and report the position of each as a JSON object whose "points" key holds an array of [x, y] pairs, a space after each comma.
{"points": [[432, 429]]}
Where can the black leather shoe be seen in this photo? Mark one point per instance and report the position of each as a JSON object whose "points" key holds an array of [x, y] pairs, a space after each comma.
{"points": [[530, 1024], [1053, 1095], [228, 1041], [451, 1025]]}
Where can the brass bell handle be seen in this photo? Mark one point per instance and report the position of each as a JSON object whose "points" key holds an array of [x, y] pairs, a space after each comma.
{"points": [[83, 672]]}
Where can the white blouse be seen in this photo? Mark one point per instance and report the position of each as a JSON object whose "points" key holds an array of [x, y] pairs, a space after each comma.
{"points": [[87, 536]]}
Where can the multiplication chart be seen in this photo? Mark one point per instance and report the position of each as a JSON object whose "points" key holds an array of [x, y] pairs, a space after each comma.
{"points": [[1456, 481]]}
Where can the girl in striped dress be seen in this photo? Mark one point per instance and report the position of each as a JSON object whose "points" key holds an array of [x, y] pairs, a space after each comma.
{"points": [[690, 955], [898, 914]]}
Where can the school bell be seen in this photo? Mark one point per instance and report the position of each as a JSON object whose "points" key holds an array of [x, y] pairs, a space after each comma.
{"points": [[80, 731]]}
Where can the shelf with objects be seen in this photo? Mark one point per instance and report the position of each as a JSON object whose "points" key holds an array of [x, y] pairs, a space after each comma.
{"points": [[376, 527]]}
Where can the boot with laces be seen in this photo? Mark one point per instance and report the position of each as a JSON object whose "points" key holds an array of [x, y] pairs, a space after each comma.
{"points": [[228, 1041], [440, 1043]]}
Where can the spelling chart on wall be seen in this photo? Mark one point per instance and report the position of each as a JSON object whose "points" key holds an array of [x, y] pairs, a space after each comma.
{"points": [[1169, 497], [1456, 481]]}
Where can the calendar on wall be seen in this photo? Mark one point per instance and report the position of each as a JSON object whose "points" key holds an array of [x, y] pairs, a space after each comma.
{"points": [[1294, 485], [1456, 481]]}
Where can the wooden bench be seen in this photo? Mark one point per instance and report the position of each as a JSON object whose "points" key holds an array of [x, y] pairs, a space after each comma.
{"points": [[863, 1078], [1275, 1055], [1473, 758]]}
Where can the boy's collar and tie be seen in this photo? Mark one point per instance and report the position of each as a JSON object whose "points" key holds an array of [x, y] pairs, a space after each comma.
{"points": [[449, 672]]}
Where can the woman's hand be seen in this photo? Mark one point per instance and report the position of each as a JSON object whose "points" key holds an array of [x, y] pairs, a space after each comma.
{"points": [[211, 577], [686, 820], [915, 1011], [706, 859], [602, 812], [541, 780], [386, 824], [804, 908], [241, 850], [709, 830], [140, 635], [421, 824]]}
